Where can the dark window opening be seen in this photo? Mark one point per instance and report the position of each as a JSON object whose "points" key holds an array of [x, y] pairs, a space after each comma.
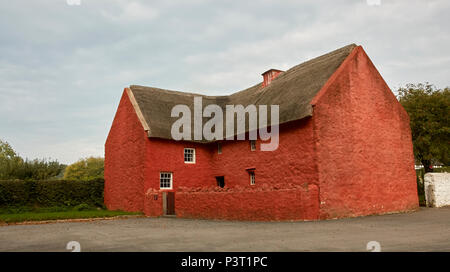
{"points": [[252, 145], [220, 181]]}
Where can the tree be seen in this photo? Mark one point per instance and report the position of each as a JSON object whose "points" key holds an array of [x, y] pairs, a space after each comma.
{"points": [[429, 112], [85, 169], [12, 166], [8, 160]]}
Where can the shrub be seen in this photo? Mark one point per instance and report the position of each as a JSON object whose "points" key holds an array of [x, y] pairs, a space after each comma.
{"points": [[51, 193], [82, 207], [85, 169]]}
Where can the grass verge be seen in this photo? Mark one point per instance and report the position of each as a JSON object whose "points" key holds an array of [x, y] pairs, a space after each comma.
{"points": [[43, 216]]}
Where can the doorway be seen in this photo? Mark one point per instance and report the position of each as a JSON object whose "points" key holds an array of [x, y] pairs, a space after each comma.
{"points": [[169, 203]]}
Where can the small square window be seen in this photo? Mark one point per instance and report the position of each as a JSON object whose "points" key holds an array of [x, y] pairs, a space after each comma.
{"points": [[165, 180], [252, 178], [189, 155], [252, 145]]}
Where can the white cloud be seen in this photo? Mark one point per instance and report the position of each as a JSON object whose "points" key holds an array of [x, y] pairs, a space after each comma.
{"points": [[63, 68], [406, 32], [130, 11]]}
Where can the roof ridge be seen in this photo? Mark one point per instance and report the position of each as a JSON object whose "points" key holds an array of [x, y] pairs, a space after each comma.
{"points": [[324, 57], [292, 90]]}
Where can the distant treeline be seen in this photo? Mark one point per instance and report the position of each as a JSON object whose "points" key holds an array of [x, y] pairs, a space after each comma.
{"points": [[14, 167], [32, 170]]}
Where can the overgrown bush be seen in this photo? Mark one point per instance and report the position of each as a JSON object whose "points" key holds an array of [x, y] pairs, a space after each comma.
{"points": [[85, 169], [82, 207], [51, 193]]}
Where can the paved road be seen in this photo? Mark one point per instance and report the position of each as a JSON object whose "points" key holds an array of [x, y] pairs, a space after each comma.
{"points": [[425, 230]]}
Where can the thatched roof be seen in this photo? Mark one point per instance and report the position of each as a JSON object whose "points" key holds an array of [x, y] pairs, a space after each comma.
{"points": [[292, 90]]}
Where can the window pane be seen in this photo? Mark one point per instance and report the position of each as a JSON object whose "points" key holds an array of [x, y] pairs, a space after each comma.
{"points": [[165, 180], [189, 155]]}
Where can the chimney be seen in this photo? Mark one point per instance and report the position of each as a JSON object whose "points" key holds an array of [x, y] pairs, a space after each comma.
{"points": [[270, 75]]}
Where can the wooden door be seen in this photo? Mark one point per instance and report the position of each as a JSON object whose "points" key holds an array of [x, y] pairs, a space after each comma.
{"points": [[170, 204]]}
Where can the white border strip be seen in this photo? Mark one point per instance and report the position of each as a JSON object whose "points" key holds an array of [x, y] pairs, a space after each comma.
{"points": [[138, 111]]}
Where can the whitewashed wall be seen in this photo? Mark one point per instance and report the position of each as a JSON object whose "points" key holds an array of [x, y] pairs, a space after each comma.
{"points": [[437, 189]]}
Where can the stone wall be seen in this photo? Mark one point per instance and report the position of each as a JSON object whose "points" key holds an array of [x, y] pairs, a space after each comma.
{"points": [[437, 189]]}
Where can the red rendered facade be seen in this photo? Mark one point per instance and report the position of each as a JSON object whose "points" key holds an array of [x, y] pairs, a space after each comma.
{"points": [[352, 157], [363, 144], [125, 159]]}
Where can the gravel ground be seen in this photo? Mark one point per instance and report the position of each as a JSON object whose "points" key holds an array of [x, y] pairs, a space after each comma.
{"points": [[425, 230]]}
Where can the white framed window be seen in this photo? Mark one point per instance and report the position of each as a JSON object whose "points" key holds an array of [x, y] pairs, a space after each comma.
{"points": [[252, 177], [219, 148], [189, 155], [165, 180], [252, 145]]}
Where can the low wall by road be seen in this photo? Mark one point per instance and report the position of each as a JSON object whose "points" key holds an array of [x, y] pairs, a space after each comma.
{"points": [[262, 204], [437, 189]]}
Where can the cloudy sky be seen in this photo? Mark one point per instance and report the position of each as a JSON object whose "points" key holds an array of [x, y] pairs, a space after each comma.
{"points": [[63, 67]]}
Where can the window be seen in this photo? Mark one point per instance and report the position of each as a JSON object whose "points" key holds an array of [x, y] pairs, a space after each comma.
{"points": [[252, 178], [219, 148], [165, 180], [189, 155], [252, 145], [220, 181]]}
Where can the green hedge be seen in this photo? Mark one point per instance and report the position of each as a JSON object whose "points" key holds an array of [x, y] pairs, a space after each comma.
{"points": [[51, 193]]}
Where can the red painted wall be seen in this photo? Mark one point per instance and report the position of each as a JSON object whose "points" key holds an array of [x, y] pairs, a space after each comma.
{"points": [[168, 156], [292, 163], [263, 203], [124, 160], [364, 147], [153, 205]]}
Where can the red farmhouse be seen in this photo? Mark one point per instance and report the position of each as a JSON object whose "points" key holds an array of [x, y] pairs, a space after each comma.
{"points": [[344, 150]]}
